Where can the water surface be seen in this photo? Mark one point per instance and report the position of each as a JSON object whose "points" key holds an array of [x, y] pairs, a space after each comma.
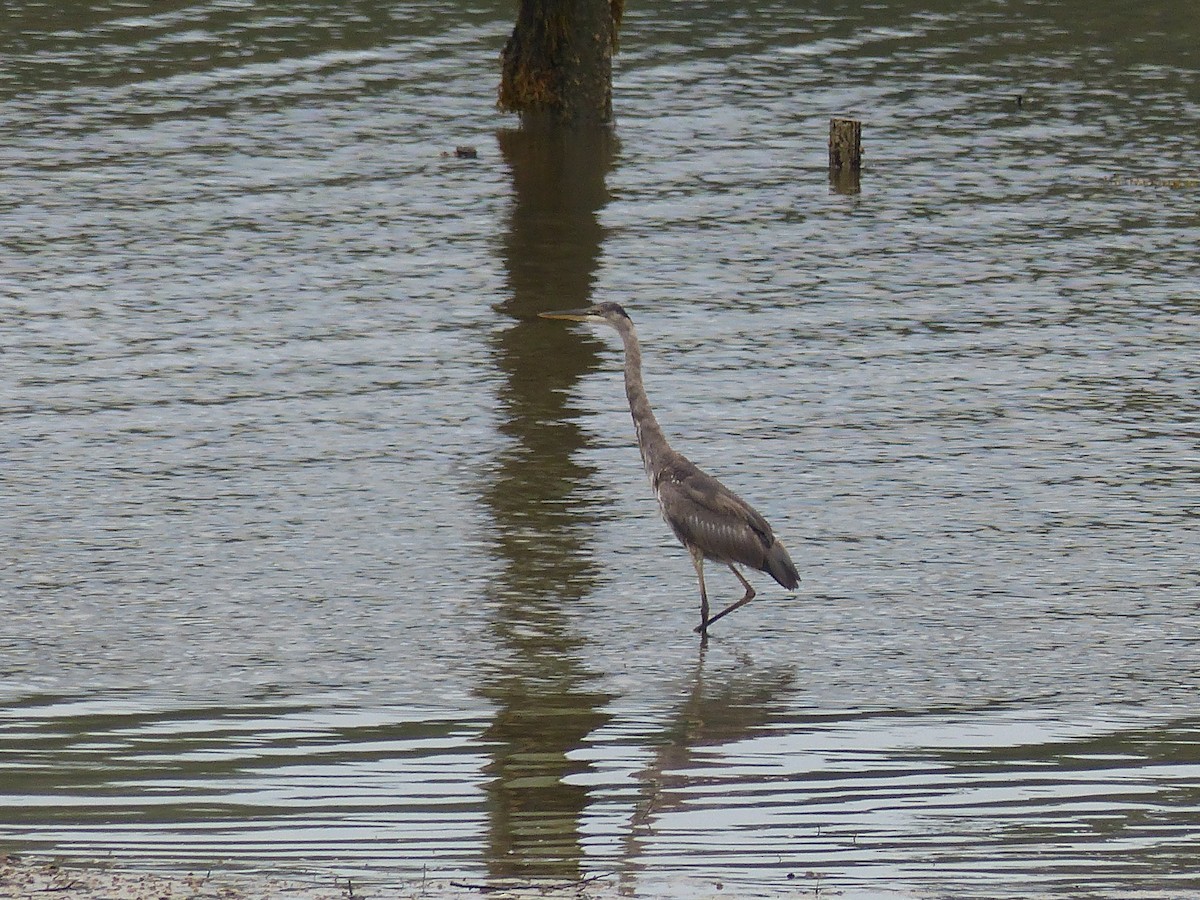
{"points": [[321, 551]]}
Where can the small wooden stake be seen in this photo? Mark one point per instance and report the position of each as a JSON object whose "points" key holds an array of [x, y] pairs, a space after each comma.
{"points": [[845, 154]]}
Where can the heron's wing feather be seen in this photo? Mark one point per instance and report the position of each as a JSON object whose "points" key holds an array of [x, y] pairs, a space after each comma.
{"points": [[705, 514]]}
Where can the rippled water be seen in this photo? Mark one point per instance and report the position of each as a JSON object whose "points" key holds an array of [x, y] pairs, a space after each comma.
{"points": [[320, 550]]}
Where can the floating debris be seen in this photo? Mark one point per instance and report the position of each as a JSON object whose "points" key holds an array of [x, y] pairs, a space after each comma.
{"points": [[1155, 181]]}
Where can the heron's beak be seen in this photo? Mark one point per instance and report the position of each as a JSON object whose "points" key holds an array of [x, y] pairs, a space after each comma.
{"points": [[570, 315]]}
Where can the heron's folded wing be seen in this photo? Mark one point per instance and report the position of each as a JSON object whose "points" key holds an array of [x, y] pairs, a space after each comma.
{"points": [[705, 514]]}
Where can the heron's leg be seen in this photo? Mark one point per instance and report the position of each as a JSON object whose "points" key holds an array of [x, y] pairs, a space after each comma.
{"points": [[698, 562], [732, 606]]}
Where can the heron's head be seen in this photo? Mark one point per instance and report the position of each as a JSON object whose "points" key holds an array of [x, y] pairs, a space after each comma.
{"points": [[601, 313]]}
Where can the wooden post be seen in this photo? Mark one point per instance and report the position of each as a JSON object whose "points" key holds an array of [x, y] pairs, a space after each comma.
{"points": [[845, 155]]}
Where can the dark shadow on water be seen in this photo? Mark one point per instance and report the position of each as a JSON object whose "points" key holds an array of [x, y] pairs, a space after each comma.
{"points": [[546, 699], [554, 241]]}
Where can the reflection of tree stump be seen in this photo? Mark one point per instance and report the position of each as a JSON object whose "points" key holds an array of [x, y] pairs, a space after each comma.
{"points": [[845, 154], [538, 680], [557, 64]]}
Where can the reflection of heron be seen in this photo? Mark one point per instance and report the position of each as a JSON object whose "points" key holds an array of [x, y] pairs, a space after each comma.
{"points": [[709, 519]]}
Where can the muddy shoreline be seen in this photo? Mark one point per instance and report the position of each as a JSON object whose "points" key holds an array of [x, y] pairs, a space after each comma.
{"points": [[27, 877]]}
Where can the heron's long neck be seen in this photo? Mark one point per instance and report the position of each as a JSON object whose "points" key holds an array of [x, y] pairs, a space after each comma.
{"points": [[651, 440]]}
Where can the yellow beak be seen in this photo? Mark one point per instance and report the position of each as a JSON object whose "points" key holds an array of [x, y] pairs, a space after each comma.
{"points": [[569, 315]]}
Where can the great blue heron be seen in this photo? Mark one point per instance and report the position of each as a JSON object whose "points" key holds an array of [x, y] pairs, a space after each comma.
{"points": [[710, 520]]}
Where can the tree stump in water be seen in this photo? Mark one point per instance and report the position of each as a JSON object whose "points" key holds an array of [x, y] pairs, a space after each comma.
{"points": [[845, 154], [557, 64]]}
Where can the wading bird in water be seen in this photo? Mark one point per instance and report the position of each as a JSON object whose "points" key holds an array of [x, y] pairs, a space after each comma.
{"points": [[710, 520]]}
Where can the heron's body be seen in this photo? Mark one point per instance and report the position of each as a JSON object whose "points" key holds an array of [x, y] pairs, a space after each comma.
{"points": [[710, 520]]}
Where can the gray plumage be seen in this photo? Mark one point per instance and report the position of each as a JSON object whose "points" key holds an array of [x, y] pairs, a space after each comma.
{"points": [[710, 520]]}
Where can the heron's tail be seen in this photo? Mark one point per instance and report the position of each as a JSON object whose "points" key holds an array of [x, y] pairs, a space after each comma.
{"points": [[779, 566]]}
